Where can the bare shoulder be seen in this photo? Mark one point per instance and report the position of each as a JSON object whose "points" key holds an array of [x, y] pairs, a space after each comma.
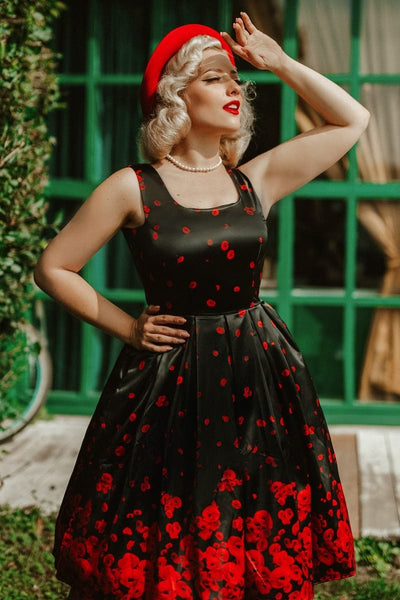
{"points": [[122, 190]]}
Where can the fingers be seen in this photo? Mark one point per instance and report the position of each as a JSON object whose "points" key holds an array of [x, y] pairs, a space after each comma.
{"points": [[247, 22], [152, 309], [240, 32], [237, 48], [157, 332]]}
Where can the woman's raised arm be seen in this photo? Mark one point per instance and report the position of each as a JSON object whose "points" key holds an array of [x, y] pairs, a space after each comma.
{"points": [[290, 165]]}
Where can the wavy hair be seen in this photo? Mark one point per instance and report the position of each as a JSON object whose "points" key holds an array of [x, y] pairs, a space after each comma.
{"points": [[170, 122]]}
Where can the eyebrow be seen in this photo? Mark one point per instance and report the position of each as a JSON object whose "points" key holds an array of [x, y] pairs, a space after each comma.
{"points": [[219, 70]]}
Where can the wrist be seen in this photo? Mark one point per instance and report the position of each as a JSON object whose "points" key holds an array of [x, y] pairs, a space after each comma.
{"points": [[131, 333], [284, 65]]}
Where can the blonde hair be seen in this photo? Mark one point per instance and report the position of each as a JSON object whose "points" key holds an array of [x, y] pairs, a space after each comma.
{"points": [[170, 122]]}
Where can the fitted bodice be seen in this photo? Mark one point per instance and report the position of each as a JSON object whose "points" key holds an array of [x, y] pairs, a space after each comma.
{"points": [[198, 261]]}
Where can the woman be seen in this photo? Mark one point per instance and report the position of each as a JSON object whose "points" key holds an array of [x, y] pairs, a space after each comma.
{"points": [[207, 470]]}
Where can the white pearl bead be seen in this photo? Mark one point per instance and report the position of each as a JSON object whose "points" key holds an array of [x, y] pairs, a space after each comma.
{"points": [[180, 165]]}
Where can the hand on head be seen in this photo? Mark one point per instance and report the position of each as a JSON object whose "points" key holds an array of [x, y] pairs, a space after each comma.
{"points": [[253, 45]]}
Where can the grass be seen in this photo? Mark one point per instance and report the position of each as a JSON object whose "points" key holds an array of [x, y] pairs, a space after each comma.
{"points": [[27, 569], [26, 562]]}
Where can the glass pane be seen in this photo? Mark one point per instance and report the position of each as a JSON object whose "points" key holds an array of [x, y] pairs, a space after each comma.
{"points": [[324, 35], [319, 250], [270, 263], [380, 40], [267, 124], [266, 16], [67, 125], [59, 212], [119, 119], [377, 354], [176, 13], [64, 347], [318, 331], [123, 34], [370, 254], [70, 37], [379, 147]]}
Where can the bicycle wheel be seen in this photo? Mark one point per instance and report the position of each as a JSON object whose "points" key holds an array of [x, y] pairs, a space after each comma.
{"points": [[29, 394]]}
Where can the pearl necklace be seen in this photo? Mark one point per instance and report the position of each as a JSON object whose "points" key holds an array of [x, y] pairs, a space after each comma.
{"points": [[180, 165]]}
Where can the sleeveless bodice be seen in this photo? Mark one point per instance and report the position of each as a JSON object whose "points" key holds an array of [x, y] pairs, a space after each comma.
{"points": [[198, 261]]}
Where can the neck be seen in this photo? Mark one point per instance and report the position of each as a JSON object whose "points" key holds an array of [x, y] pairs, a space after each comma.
{"points": [[196, 151]]}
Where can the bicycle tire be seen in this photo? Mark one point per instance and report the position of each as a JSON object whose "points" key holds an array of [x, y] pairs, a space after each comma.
{"points": [[42, 364]]}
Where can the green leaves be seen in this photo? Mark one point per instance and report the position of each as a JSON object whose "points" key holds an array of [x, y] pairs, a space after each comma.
{"points": [[26, 562], [28, 92]]}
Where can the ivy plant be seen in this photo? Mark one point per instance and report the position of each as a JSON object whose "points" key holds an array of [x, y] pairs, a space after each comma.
{"points": [[28, 92]]}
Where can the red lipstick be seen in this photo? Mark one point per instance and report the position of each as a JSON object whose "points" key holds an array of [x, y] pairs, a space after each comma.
{"points": [[232, 107]]}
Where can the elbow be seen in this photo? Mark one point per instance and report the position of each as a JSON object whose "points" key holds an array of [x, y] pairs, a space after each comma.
{"points": [[363, 120], [39, 276]]}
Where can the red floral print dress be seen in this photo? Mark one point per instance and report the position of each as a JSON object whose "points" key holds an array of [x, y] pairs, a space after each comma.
{"points": [[207, 472]]}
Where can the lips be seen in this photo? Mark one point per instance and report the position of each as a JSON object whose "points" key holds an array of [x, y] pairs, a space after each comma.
{"points": [[232, 107]]}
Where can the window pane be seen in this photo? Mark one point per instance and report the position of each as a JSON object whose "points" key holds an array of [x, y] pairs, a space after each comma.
{"points": [[318, 331], [324, 34], [370, 254], [377, 354], [64, 346], [379, 147], [70, 37], [123, 35], [119, 119], [270, 262], [67, 124], [177, 13], [267, 124], [319, 251], [380, 40]]}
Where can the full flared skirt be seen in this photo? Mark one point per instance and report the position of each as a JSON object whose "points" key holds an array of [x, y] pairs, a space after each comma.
{"points": [[207, 472]]}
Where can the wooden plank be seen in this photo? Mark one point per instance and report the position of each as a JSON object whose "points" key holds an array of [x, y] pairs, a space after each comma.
{"points": [[35, 466], [379, 513], [345, 446], [393, 440]]}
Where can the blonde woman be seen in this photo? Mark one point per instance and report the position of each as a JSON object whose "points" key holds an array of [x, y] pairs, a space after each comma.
{"points": [[207, 470]]}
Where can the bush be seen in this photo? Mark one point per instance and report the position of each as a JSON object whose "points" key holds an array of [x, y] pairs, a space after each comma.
{"points": [[28, 92]]}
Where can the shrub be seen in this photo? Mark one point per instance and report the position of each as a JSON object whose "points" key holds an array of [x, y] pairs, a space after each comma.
{"points": [[28, 92]]}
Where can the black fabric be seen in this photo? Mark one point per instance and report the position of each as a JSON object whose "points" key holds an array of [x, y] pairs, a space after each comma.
{"points": [[207, 471]]}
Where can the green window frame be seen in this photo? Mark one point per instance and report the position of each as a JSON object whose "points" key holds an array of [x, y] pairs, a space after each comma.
{"points": [[286, 297]]}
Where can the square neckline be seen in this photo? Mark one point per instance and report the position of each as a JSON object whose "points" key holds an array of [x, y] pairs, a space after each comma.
{"points": [[198, 209]]}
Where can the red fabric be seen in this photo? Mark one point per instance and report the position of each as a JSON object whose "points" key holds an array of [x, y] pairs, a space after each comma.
{"points": [[169, 46]]}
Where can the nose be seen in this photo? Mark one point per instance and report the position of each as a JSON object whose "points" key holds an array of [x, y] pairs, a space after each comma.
{"points": [[234, 88]]}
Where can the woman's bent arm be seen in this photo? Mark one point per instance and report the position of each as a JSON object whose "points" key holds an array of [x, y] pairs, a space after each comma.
{"points": [[114, 203]]}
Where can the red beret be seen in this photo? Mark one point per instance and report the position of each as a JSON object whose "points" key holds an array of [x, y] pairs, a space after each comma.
{"points": [[169, 46]]}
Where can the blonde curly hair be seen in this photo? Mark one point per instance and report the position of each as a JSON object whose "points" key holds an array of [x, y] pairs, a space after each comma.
{"points": [[170, 122]]}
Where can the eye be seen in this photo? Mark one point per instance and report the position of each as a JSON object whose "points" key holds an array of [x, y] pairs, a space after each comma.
{"points": [[212, 79]]}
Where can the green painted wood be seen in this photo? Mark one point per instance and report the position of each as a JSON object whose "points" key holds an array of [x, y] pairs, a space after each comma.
{"points": [[95, 350], [286, 205]]}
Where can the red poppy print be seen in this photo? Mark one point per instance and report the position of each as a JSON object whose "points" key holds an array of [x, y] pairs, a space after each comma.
{"points": [[209, 521]]}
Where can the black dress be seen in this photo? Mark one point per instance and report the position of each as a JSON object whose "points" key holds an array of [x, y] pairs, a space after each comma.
{"points": [[207, 472]]}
